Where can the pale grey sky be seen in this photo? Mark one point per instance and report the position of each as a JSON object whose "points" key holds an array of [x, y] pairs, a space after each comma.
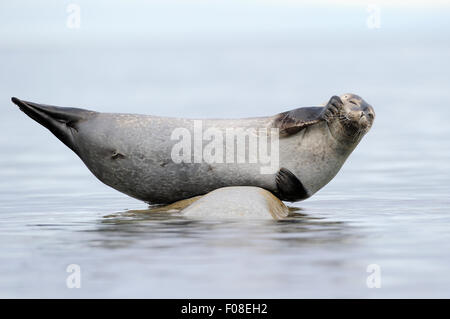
{"points": [[25, 22]]}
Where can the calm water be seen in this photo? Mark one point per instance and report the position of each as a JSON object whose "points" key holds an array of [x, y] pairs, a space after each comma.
{"points": [[389, 205]]}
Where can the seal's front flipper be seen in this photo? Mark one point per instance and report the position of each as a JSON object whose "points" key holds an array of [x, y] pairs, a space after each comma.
{"points": [[332, 108], [292, 122], [289, 187], [59, 120]]}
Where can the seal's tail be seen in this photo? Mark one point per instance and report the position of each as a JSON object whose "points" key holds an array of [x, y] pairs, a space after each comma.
{"points": [[61, 121]]}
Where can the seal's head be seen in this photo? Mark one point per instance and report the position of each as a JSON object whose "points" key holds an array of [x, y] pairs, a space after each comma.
{"points": [[349, 116]]}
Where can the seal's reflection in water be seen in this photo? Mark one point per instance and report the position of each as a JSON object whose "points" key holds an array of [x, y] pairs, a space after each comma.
{"points": [[170, 229]]}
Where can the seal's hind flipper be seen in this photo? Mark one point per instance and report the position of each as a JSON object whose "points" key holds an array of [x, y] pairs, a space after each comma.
{"points": [[289, 187], [42, 113], [59, 120], [292, 122]]}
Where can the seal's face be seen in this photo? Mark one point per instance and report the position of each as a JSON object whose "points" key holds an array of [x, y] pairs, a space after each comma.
{"points": [[356, 112], [349, 116]]}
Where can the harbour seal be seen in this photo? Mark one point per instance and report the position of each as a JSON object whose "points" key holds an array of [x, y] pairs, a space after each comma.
{"points": [[134, 154]]}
